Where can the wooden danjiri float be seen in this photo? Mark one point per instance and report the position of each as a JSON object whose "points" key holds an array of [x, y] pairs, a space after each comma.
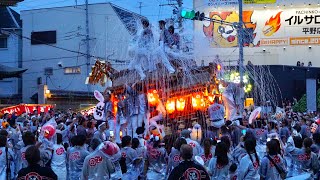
{"points": [[186, 95]]}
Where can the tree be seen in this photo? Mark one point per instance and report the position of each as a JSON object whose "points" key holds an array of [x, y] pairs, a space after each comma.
{"points": [[301, 105]]}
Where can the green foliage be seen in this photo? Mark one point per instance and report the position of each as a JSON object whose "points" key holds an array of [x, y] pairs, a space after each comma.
{"points": [[301, 106], [318, 99]]}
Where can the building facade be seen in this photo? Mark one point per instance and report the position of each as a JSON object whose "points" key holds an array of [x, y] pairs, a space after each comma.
{"points": [[280, 33], [55, 49], [10, 56]]}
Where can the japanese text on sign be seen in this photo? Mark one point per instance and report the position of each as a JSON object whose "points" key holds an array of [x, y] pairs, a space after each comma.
{"points": [[308, 19], [98, 113], [259, 1], [99, 110], [305, 17], [311, 30], [222, 2]]}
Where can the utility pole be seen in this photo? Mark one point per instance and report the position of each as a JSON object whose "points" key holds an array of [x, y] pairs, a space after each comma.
{"points": [[179, 3], [180, 18], [87, 42], [240, 42], [140, 7], [180, 26]]}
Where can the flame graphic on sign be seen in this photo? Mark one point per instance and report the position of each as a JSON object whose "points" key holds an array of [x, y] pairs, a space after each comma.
{"points": [[272, 25]]}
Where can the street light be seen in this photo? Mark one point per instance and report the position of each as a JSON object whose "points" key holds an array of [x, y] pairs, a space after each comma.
{"points": [[46, 94]]}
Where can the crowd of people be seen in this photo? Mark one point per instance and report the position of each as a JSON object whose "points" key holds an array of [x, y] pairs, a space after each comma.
{"points": [[84, 148], [302, 64]]}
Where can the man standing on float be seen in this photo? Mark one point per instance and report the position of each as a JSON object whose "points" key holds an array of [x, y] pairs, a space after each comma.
{"points": [[109, 113], [216, 114], [133, 108]]}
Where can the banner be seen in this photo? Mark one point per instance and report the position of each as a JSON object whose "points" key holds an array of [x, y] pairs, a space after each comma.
{"points": [[27, 108], [295, 27]]}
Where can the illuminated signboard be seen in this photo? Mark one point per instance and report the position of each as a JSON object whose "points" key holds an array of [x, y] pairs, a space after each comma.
{"points": [[274, 27]]}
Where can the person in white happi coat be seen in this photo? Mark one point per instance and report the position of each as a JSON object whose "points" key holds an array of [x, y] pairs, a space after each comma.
{"points": [[58, 160], [109, 113], [141, 53], [76, 156], [6, 160], [216, 114], [121, 119], [155, 163], [98, 165], [197, 150], [100, 133]]}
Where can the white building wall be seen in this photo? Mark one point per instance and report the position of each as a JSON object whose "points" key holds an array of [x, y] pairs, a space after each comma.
{"points": [[108, 36], [10, 56], [263, 55]]}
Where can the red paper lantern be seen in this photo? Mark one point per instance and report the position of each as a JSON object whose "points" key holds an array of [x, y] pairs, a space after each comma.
{"points": [[153, 97], [170, 106], [181, 104], [198, 102]]}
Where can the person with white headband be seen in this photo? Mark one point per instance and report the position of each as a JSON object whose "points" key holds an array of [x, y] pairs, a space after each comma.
{"points": [[100, 134]]}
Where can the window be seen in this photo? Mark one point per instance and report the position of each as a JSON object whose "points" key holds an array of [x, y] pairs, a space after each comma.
{"points": [[44, 37], [72, 70], [3, 42], [48, 71]]}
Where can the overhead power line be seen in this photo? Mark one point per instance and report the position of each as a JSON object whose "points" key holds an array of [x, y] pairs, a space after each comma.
{"points": [[43, 59], [54, 46], [54, 69]]}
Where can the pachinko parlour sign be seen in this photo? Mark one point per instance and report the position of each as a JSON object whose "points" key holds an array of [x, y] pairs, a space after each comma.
{"points": [[276, 27]]}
